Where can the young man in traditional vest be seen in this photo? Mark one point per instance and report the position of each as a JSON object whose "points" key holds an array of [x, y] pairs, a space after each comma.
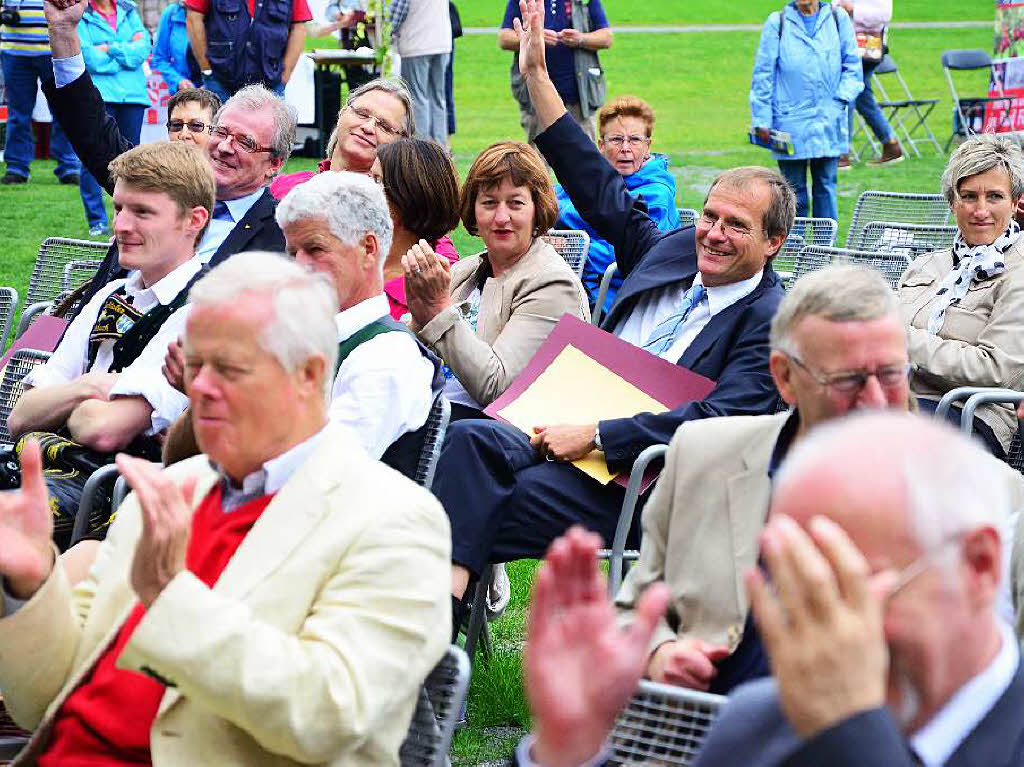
{"points": [[103, 388], [385, 381]]}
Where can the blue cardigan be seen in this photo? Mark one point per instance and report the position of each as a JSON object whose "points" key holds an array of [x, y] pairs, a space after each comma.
{"points": [[117, 72], [171, 50], [653, 183]]}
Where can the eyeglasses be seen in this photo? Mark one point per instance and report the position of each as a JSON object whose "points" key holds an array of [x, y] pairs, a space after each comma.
{"points": [[731, 229], [911, 572], [248, 143], [194, 126], [382, 125], [848, 384], [618, 141]]}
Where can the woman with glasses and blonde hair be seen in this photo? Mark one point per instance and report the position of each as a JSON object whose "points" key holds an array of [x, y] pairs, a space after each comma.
{"points": [[626, 127], [964, 305]]}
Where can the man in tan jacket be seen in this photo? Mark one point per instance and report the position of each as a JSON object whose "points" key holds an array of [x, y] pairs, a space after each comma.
{"points": [[276, 601], [838, 345]]}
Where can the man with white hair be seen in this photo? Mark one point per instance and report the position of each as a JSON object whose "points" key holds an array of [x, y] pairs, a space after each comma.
{"points": [[885, 551], [277, 600], [385, 381]]}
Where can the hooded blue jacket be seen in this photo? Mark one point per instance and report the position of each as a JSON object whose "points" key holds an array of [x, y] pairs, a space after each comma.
{"points": [[654, 184], [117, 71], [804, 83]]}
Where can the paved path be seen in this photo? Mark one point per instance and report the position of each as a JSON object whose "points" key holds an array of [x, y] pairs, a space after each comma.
{"points": [[756, 27]]}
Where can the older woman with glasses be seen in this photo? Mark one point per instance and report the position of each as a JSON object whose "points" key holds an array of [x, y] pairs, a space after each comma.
{"points": [[375, 113], [190, 114], [965, 305], [626, 126]]}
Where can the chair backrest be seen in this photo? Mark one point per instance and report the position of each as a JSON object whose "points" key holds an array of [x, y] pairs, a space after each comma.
{"points": [[77, 273], [805, 231], [886, 66], [966, 58], [12, 384], [931, 209], [434, 431], [437, 711], [688, 216], [663, 724], [55, 254], [571, 244], [8, 305], [814, 257], [912, 240]]}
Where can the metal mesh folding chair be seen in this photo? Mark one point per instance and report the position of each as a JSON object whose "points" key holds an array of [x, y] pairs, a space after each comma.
{"points": [[805, 231], [437, 711], [688, 216], [974, 397], [60, 261], [12, 384], [8, 305], [969, 111], [916, 110], [663, 724], [911, 240], [814, 257], [572, 245], [436, 427], [12, 737], [602, 293], [930, 209]]}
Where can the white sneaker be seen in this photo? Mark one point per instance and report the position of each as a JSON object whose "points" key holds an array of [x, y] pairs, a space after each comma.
{"points": [[499, 594]]}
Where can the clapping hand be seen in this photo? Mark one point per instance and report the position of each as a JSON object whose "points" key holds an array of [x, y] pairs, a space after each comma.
{"points": [[687, 662], [581, 668], [174, 365], [428, 282], [26, 528]]}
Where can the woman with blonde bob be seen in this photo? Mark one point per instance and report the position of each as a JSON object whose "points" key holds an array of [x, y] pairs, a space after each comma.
{"points": [[487, 314]]}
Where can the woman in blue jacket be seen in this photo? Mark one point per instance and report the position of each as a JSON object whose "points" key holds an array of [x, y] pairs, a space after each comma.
{"points": [[806, 74], [170, 52], [114, 46], [626, 126]]}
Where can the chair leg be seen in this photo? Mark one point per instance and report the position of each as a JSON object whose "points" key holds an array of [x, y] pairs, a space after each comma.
{"points": [[478, 616]]}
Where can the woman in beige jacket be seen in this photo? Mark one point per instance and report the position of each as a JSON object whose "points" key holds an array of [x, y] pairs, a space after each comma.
{"points": [[965, 306], [486, 315]]}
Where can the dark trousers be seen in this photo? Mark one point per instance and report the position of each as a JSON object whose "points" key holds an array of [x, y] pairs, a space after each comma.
{"points": [[505, 502]]}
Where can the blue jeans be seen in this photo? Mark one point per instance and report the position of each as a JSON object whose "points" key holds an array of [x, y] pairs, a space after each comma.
{"points": [[129, 122], [20, 76], [425, 76], [214, 85], [824, 177], [868, 107]]}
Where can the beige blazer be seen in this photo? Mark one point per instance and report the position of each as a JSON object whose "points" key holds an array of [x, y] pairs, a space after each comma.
{"points": [[310, 649], [517, 312], [981, 342], [701, 525]]}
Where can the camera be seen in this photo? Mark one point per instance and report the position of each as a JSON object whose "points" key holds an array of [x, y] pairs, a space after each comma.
{"points": [[9, 16]]}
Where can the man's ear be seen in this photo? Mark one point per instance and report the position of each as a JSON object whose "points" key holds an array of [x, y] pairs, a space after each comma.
{"points": [[197, 218], [782, 372], [275, 166], [982, 554], [312, 373], [371, 247]]}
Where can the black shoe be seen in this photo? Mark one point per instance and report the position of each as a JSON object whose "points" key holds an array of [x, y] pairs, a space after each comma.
{"points": [[13, 178], [71, 179]]}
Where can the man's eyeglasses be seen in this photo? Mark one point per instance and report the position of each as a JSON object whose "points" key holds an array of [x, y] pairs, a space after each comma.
{"points": [[382, 125], [911, 572], [618, 140], [733, 229], [194, 126], [248, 143], [848, 384]]}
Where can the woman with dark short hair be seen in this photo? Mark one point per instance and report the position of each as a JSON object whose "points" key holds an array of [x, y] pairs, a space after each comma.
{"points": [[422, 190], [487, 315]]}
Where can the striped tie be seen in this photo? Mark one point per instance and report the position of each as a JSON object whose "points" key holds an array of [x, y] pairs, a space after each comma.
{"points": [[664, 335]]}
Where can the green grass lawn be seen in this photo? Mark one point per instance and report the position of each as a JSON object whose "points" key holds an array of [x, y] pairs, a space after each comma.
{"points": [[697, 84]]}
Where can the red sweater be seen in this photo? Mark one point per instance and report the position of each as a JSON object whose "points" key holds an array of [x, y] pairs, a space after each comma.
{"points": [[107, 718]]}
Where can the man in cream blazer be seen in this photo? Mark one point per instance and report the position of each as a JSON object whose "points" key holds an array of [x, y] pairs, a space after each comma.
{"points": [[312, 643], [838, 345]]}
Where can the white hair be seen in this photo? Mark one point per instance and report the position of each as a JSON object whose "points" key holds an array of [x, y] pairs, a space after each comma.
{"points": [[257, 98], [351, 205], [304, 305]]}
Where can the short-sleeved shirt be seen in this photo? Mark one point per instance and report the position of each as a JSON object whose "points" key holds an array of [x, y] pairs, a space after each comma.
{"points": [[300, 9], [558, 16]]}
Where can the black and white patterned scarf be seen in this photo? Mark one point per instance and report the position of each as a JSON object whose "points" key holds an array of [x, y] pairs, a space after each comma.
{"points": [[970, 264]]}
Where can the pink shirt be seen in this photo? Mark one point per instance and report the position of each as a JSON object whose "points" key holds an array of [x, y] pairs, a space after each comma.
{"points": [[110, 18], [395, 289]]}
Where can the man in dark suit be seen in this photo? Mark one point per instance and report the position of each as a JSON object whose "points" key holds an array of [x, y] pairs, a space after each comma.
{"points": [[702, 298], [244, 216]]}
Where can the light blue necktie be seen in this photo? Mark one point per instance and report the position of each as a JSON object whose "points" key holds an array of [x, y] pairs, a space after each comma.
{"points": [[221, 212], [664, 335]]}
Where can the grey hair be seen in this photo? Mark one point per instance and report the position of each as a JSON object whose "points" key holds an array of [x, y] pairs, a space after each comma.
{"points": [[952, 485], [778, 218], [256, 98], [397, 87], [979, 154], [840, 293], [304, 304], [351, 204]]}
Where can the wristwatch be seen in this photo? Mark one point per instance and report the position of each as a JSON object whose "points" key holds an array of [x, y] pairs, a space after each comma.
{"points": [[597, 439], [207, 72]]}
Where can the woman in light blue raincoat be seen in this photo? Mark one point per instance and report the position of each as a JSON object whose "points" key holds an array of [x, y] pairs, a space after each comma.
{"points": [[806, 74]]}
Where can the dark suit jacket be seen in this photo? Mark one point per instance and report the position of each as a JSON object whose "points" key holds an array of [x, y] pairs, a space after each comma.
{"points": [[733, 347], [78, 106], [752, 731]]}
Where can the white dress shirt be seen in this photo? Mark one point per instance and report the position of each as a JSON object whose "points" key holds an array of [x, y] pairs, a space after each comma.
{"points": [[939, 739], [143, 378], [382, 389], [218, 230], [637, 326]]}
